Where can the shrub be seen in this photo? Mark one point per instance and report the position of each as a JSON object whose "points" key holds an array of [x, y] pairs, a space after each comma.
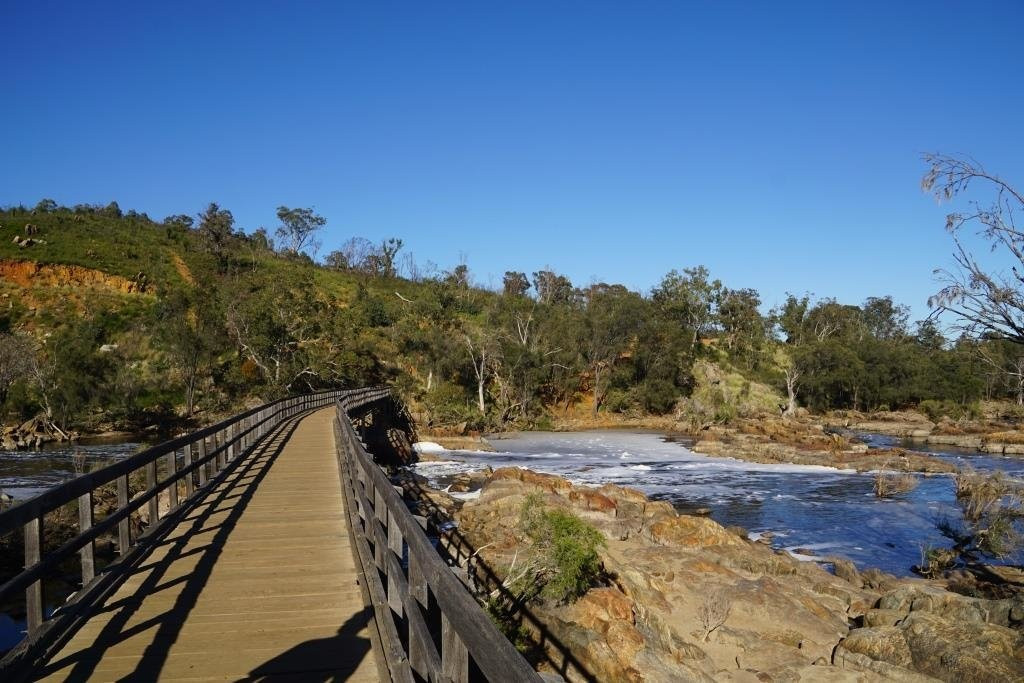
{"points": [[713, 612], [992, 509], [658, 396], [565, 550], [935, 410], [891, 483]]}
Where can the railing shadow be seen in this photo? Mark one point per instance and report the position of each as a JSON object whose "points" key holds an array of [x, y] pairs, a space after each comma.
{"points": [[456, 550], [242, 478], [305, 657]]}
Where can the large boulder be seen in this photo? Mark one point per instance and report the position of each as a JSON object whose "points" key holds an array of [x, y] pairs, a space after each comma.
{"points": [[943, 634], [781, 619]]}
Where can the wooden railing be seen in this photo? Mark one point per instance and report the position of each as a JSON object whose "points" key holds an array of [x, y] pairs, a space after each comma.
{"points": [[184, 468], [430, 627]]}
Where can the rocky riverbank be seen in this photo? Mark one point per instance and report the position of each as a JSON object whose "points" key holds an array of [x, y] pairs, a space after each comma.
{"points": [[998, 436], [667, 575], [805, 441]]}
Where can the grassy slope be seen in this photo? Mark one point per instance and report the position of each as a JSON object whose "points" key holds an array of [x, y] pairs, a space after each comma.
{"points": [[127, 247]]}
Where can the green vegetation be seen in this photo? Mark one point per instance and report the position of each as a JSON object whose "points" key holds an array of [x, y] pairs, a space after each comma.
{"points": [[156, 321], [564, 548]]}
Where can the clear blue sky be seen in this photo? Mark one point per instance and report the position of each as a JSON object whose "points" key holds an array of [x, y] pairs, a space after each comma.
{"points": [[777, 143]]}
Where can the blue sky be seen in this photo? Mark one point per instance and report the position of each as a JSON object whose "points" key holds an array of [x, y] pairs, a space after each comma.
{"points": [[776, 143]]}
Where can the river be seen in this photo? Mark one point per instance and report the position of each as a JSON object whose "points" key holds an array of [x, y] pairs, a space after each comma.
{"points": [[813, 512], [24, 474]]}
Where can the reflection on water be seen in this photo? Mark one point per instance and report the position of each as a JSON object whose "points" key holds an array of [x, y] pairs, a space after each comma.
{"points": [[827, 511]]}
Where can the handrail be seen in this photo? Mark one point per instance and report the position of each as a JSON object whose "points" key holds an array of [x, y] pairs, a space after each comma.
{"points": [[192, 464], [449, 637]]}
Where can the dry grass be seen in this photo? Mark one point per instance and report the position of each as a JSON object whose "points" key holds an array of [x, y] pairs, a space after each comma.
{"points": [[893, 483], [979, 494]]}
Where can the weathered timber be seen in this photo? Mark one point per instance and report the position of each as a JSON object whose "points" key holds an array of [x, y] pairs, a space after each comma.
{"points": [[248, 428], [424, 624], [386, 536]]}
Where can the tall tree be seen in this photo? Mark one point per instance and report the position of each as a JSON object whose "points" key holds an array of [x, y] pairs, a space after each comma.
{"points": [[515, 283], [689, 298], [298, 228], [610, 323], [983, 299], [191, 333], [217, 229]]}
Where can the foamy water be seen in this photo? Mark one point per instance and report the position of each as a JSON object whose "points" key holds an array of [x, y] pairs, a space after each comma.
{"points": [[814, 512]]}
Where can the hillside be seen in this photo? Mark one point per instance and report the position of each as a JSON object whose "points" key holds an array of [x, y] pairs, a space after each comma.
{"points": [[114, 320]]}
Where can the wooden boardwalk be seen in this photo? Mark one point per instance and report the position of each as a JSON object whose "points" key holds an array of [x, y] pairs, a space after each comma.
{"points": [[258, 583]]}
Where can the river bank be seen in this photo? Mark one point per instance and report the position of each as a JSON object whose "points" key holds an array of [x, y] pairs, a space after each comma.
{"points": [[669, 576]]}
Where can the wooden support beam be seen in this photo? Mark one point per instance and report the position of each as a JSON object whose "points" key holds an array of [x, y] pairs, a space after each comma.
{"points": [[124, 527], [88, 551], [34, 593]]}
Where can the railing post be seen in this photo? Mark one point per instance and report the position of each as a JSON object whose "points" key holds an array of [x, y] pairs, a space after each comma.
{"points": [[154, 502], [190, 484], [34, 593], [454, 655], [172, 469], [202, 459], [218, 446], [395, 546], [88, 551], [124, 527], [234, 440]]}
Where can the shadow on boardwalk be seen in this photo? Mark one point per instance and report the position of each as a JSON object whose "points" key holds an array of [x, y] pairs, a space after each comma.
{"points": [[231, 495], [305, 656]]}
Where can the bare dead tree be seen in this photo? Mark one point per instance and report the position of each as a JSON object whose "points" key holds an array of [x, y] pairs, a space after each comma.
{"points": [[712, 612], [983, 300], [1010, 370], [479, 355], [792, 382]]}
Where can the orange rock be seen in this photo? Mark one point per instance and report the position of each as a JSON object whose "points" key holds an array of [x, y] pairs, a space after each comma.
{"points": [[548, 482], [692, 532], [592, 500], [608, 603]]}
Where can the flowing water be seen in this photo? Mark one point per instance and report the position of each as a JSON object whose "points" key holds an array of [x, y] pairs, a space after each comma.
{"points": [[813, 512], [24, 474]]}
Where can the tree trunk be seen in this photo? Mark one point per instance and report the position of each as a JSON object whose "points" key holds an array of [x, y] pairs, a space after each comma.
{"points": [[597, 391], [480, 395], [792, 376], [190, 393]]}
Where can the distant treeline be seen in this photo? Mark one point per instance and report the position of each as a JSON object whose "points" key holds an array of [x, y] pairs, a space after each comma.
{"points": [[226, 316]]}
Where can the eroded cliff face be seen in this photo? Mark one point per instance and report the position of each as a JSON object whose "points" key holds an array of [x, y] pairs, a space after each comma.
{"points": [[785, 619], [29, 273]]}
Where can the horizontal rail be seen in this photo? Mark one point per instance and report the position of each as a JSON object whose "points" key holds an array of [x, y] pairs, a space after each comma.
{"points": [[205, 454], [410, 586]]}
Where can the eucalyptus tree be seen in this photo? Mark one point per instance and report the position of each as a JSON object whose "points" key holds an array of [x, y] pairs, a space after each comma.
{"points": [[984, 299], [298, 229], [217, 231], [690, 298]]}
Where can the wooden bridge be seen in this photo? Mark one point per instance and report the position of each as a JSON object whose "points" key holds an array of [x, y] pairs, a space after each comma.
{"points": [[273, 548]]}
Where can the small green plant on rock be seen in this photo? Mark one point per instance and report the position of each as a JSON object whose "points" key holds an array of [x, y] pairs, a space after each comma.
{"points": [[565, 560]]}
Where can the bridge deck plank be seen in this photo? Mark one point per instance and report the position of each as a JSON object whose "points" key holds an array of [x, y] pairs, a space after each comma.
{"points": [[258, 583]]}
